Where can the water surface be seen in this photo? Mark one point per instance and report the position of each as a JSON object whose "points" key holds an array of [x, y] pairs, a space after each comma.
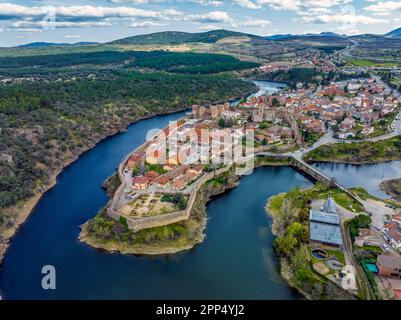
{"points": [[366, 176]]}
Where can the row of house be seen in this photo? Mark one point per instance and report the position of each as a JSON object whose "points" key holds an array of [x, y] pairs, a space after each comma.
{"points": [[178, 178], [392, 232]]}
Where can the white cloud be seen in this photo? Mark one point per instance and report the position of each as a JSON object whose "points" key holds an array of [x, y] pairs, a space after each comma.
{"points": [[27, 29], [87, 11], [211, 17], [248, 4], [131, 1], [384, 7], [208, 27], [72, 36], [292, 5], [25, 24], [212, 3], [251, 23], [345, 19], [147, 24], [72, 13]]}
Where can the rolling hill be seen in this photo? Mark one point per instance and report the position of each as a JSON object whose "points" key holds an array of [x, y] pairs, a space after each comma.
{"points": [[175, 37], [394, 33], [51, 44], [322, 34]]}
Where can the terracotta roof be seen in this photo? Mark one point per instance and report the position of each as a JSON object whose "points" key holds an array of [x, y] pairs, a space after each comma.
{"points": [[393, 262], [163, 180], [178, 184], [152, 174], [140, 180]]}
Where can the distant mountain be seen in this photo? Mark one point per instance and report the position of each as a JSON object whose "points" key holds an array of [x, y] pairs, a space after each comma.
{"points": [[175, 37], [394, 33], [41, 44], [331, 34], [322, 34], [279, 36], [51, 44], [83, 43]]}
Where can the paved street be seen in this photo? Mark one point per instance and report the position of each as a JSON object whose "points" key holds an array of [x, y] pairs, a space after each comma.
{"points": [[378, 211]]}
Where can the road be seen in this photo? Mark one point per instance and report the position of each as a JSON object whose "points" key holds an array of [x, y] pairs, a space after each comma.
{"points": [[378, 211], [359, 273]]}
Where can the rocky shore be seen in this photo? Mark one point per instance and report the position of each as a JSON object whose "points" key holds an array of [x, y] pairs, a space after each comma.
{"points": [[392, 188], [169, 239], [178, 236]]}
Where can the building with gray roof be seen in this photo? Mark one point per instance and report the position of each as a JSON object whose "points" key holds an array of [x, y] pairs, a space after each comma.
{"points": [[324, 217], [326, 233], [330, 206], [325, 226]]}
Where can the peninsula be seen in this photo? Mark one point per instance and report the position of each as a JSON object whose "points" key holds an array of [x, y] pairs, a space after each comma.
{"points": [[158, 206]]}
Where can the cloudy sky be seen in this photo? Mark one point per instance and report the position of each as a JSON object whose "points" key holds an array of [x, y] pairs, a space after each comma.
{"points": [[104, 20]]}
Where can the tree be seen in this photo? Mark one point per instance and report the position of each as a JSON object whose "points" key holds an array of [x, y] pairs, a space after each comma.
{"points": [[360, 221], [284, 245], [299, 231], [135, 171], [300, 264]]}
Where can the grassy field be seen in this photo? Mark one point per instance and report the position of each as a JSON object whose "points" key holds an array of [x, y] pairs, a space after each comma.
{"points": [[358, 153], [371, 63], [342, 199]]}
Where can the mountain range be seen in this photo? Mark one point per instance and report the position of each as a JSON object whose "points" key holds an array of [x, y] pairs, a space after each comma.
{"points": [[176, 37], [394, 33]]}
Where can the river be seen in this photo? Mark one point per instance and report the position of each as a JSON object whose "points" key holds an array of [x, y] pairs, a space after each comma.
{"points": [[366, 176], [235, 261]]}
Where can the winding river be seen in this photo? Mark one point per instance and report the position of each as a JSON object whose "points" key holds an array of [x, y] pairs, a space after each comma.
{"points": [[235, 261]]}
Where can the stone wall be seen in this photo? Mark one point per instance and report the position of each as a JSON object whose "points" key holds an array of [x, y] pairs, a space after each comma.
{"points": [[168, 218]]}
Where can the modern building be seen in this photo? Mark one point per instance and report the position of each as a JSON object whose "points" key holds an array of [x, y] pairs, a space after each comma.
{"points": [[325, 225]]}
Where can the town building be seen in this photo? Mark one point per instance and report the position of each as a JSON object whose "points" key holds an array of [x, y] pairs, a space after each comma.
{"points": [[392, 232], [325, 225], [367, 237], [140, 183], [389, 265]]}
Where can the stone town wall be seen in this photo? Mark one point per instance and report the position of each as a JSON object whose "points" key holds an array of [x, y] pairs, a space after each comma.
{"points": [[168, 218]]}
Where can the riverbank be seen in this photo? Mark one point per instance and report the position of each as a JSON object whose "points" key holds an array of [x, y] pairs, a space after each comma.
{"points": [[167, 239], [105, 233], [22, 210], [392, 188], [358, 153]]}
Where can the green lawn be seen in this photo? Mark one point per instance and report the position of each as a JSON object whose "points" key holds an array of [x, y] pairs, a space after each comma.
{"points": [[155, 167], [342, 199], [371, 63]]}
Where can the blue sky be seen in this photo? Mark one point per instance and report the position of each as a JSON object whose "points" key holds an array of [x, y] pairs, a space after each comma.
{"points": [[105, 20]]}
